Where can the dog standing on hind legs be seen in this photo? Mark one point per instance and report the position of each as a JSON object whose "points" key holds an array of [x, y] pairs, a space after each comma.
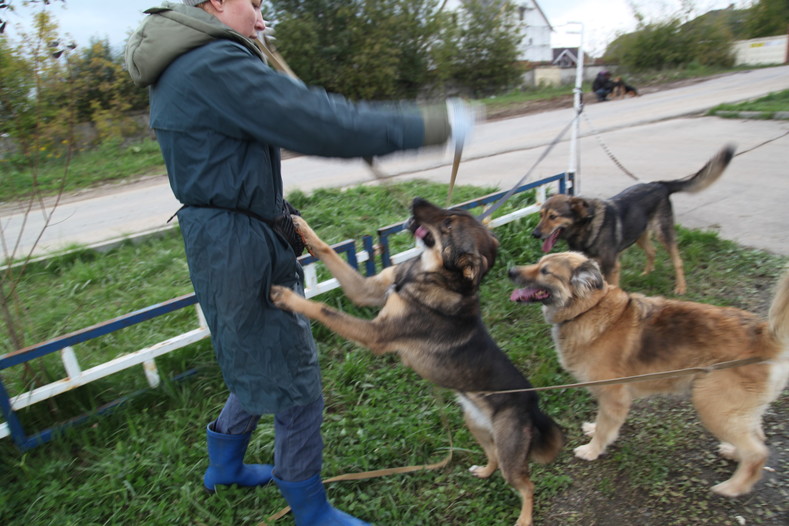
{"points": [[430, 317], [602, 332], [603, 228]]}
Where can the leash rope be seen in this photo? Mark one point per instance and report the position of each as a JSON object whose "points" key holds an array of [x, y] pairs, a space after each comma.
{"points": [[768, 141], [545, 153], [616, 161], [608, 152], [378, 473], [455, 167], [366, 475], [278, 62], [639, 378]]}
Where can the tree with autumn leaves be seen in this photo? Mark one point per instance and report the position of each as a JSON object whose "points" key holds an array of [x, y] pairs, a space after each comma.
{"points": [[48, 84]]}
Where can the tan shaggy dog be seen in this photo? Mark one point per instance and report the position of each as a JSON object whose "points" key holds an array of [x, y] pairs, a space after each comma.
{"points": [[602, 332]]}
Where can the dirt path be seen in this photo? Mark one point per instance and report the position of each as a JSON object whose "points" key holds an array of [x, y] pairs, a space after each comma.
{"points": [[660, 472]]}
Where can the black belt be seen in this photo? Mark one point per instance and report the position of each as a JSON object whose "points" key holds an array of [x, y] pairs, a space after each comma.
{"points": [[282, 225], [248, 213]]}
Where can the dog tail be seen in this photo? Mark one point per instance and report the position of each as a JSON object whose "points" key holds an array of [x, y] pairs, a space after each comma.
{"points": [[549, 439], [704, 177], [779, 313]]}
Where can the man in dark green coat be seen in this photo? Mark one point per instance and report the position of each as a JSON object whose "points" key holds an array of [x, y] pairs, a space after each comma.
{"points": [[221, 116]]}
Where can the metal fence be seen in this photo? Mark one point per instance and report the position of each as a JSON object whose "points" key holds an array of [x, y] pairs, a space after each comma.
{"points": [[76, 376]]}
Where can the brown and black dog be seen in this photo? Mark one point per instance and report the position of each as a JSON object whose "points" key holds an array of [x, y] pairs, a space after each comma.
{"points": [[603, 228], [602, 332], [431, 318], [622, 89]]}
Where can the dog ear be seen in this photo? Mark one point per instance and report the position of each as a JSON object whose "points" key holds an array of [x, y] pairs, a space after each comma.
{"points": [[587, 278], [580, 207], [470, 272], [489, 256], [473, 267]]}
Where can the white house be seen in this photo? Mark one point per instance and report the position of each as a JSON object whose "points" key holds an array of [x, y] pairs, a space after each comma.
{"points": [[536, 31], [535, 45]]}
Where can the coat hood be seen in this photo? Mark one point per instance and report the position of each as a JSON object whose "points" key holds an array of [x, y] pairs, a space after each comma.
{"points": [[167, 33]]}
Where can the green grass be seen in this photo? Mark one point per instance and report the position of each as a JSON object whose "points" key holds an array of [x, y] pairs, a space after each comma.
{"points": [[108, 163], [143, 463], [769, 104]]}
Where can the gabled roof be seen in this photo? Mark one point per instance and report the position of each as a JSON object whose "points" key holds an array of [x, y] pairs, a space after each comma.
{"points": [[516, 3], [543, 14], [565, 54], [571, 52]]}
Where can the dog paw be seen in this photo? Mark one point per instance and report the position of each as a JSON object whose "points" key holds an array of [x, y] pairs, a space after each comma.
{"points": [[307, 235], [481, 472], [729, 489], [588, 428], [302, 228], [587, 452], [280, 295], [679, 290]]}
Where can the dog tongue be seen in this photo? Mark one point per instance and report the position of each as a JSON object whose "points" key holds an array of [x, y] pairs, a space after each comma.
{"points": [[522, 295], [529, 295], [551, 241], [420, 232]]}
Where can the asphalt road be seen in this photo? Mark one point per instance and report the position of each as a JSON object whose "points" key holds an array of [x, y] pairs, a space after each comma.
{"points": [[656, 136]]}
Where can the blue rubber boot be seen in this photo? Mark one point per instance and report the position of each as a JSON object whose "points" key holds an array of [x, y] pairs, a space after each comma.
{"points": [[226, 462], [307, 500]]}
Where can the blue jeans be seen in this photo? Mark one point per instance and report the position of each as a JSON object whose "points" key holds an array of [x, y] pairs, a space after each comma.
{"points": [[602, 93], [298, 445]]}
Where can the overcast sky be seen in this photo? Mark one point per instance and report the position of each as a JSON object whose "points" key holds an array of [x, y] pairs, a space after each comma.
{"points": [[602, 19]]}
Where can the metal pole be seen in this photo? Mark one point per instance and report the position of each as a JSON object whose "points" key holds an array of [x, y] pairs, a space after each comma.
{"points": [[572, 171]]}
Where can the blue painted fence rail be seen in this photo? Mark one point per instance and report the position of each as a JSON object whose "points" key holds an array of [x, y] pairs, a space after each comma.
{"points": [[76, 377]]}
